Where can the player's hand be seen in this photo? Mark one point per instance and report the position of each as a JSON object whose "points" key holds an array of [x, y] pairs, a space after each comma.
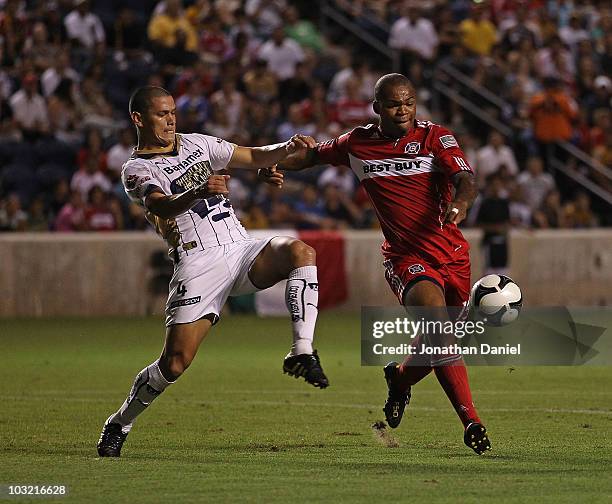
{"points": [[216, 184], [456, 211], [300, 144], [271, 176]]}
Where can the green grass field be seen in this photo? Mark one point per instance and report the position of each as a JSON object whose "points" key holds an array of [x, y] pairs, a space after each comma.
{"points": [[235, 429]]}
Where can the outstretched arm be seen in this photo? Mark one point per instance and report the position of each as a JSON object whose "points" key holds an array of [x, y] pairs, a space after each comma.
{"points": [[268, 155], [465, 194]]}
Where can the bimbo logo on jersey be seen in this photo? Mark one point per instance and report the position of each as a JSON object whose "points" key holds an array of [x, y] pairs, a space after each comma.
{"points": [[185, 163], [196, 175]]}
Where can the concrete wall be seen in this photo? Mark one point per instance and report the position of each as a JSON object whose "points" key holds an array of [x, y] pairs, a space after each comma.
{"points": [[107, 273]]}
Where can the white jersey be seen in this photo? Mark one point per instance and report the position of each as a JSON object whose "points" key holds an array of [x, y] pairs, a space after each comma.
{"points": [[211, 222]]}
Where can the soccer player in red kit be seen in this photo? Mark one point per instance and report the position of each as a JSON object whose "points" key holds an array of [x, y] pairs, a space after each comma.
{"points": [[421, 187]]}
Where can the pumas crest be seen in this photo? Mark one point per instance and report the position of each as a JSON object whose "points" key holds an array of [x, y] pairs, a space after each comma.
{"points": [[412, 148]]}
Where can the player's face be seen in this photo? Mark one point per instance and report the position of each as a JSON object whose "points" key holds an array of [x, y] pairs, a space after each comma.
{"points": [[159, 122], [397, 111]]}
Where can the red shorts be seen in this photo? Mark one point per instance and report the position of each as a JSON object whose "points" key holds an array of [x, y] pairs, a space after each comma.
{"points": [[402, 272]]}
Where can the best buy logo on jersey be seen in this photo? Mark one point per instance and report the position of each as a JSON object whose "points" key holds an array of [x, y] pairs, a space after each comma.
{"points": [[185, 163], [397, 166]]}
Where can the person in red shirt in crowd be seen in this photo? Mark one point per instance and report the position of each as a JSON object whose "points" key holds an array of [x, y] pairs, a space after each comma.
{"points": [[100, 213], [421, 187]]}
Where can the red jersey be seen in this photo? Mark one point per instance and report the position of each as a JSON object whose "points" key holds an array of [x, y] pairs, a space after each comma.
{"points": [[408, 181]]}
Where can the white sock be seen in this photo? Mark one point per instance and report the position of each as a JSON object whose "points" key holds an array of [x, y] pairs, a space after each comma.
{"points": [[302, 298], [149, 383]]}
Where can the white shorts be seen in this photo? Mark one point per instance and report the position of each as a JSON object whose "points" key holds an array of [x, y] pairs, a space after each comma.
{"points": [[201, 283]]}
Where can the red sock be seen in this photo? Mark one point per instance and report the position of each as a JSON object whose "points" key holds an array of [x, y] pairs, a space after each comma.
{"points": [[454, 380], [409, 375], [414, 368]]}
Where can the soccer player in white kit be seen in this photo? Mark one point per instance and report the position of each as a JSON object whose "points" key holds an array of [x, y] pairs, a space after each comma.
{"points": [[173, 176]]}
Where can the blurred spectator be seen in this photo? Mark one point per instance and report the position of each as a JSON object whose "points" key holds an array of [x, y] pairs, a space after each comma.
{"points": [[172, 35], [552, 112], [92, 150], [555, 61], [94, 108], [355, 68], [494, 219], [520, 213], [302, 31], [448, 33], [219, 125], [296, 124], [534, 183], [478, 33], [129, 32], [100, 215], [12, 217], [29, 109], [261, 83], [214, 43], [38, 47], [352, 110], [63, 113], [83, 27], [413, 34], [339, 207], [192, 108], [493, 155], [296, 88], [282, 54], [573, 33], [232, 102], [310, 211], [37, 219], [550, 214], [578, 212], [61, 69], [339, 176], [267, 15], [253, 217], [519, 27], [87, 177], [119, 153], [71, 216]]}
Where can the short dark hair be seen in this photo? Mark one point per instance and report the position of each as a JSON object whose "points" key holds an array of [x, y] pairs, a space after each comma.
{"points": [[140, 101], [389, 80]]}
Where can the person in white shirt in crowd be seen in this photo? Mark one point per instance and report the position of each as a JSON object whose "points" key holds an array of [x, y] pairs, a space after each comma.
{"points": [[353, 68], [492, 156], [30, 109], [282, 54], [267, 15], [88, 177], [83, 26], [413, 33], [535, 183], [60, 69], [119, 153]]}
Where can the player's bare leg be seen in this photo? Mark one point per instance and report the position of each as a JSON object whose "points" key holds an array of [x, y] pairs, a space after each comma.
{"points": [[182, 343], [450, 370], [291, 259]]}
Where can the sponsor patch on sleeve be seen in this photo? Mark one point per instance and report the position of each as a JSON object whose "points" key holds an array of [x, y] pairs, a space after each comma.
{"points": [[133, 181], [448, 141]]}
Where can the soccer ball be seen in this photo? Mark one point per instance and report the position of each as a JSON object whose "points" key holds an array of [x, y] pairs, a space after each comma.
{"points": [[496, 299]]}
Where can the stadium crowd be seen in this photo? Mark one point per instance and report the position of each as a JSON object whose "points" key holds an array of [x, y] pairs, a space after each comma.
{"points": [[259, 71]]}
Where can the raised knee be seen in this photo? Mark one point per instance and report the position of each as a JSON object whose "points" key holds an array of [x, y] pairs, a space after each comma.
{"points": [[301, 254]]}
